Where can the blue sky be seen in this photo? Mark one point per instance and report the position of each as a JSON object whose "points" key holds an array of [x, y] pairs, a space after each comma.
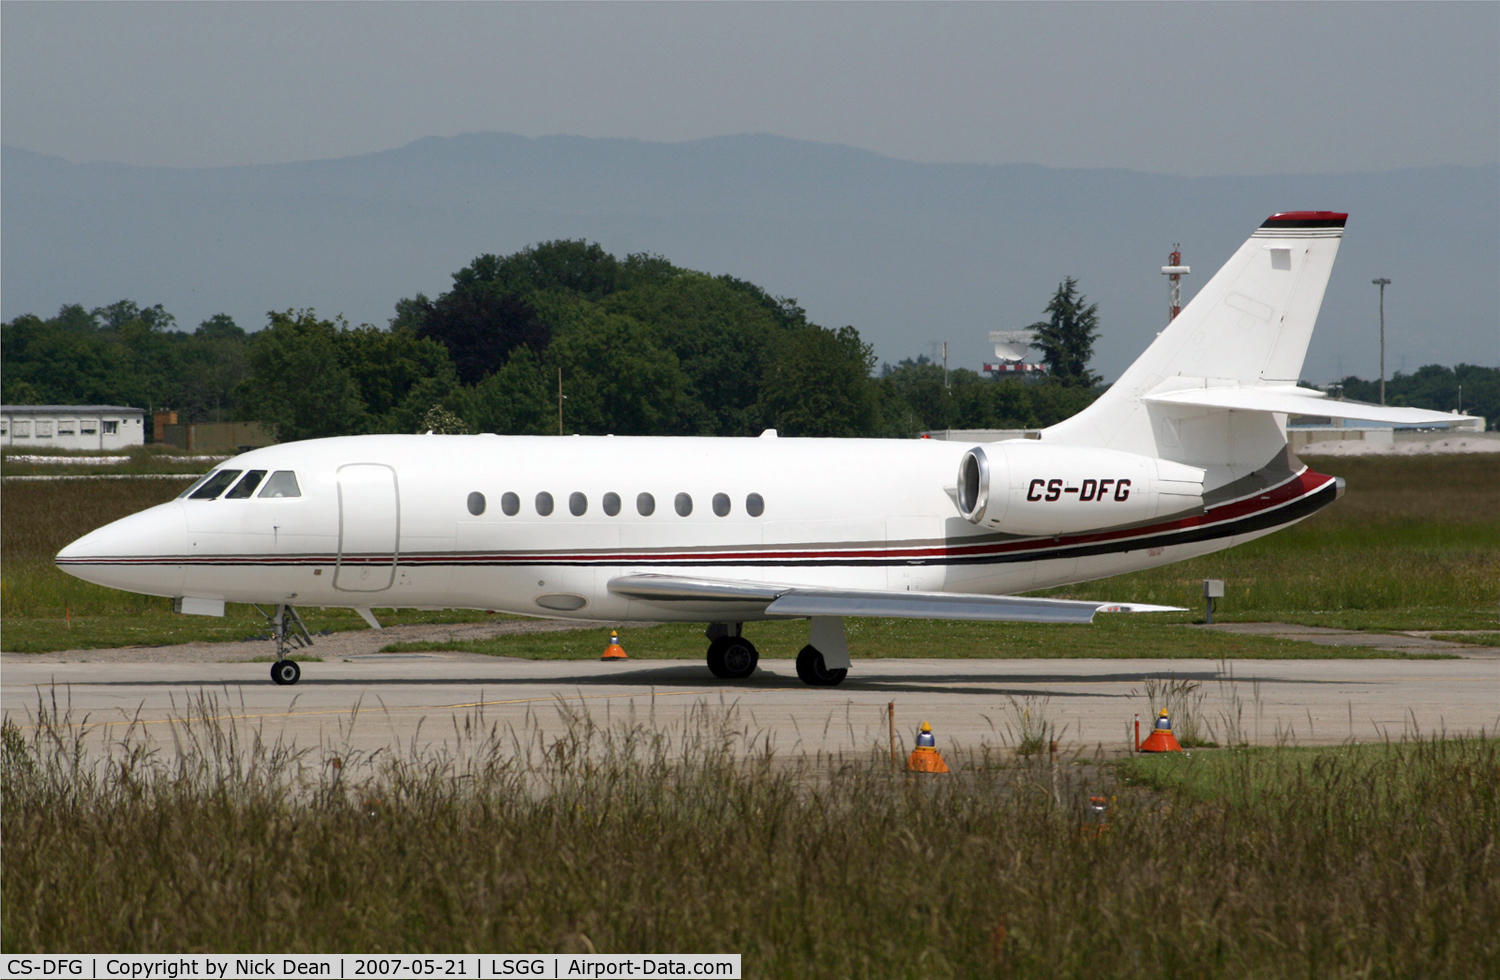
{"points": [[1192, 89]]}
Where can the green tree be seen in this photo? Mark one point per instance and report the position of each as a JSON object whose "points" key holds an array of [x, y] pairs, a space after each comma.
{"points": [[297, 383], [1066, 337], [577, 267], [918, 384], [480, 324], [618, 380], [1435, 387], [388, 367], [121, 353], [441, 421], [220, 326], [819, 385], [517, 399], [723, 338]]}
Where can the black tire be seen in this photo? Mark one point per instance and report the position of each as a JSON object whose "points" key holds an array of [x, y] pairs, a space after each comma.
{"points": [[732, 657], [814, 672], [286, 672]]}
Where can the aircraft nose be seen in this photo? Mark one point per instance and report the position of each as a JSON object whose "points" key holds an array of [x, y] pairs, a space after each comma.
{"points": [[139, 553]]}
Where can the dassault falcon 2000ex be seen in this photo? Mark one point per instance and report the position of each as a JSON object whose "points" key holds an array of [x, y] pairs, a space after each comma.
{"points": [[1184, 455]]}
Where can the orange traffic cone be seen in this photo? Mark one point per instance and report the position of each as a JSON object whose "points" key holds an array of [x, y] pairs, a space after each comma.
{"points": [[614, 651], [925, 757], [1098, 826], [1161, 738]]}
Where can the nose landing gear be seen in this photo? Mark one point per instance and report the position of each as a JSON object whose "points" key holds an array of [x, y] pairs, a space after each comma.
{"points": [[287, 630]]}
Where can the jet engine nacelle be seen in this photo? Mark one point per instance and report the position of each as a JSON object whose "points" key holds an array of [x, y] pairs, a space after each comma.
{"points": [[1028, 488]]}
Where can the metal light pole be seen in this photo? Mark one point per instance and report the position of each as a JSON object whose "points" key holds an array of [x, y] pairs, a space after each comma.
{"points": [[1382, 283]]}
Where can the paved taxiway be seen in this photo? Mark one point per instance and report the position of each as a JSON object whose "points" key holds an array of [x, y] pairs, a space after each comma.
{"points": [[411, 699]]}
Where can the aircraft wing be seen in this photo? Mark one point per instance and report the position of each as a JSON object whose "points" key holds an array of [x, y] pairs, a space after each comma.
{"points": [[1293, 400], [804, 601]]}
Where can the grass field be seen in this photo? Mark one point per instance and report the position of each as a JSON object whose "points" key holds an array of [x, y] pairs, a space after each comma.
{"points": [[1414, 544], [1367, 861]]}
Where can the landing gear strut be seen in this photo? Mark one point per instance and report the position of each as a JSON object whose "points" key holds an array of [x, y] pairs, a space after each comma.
{"points": [[288, 631], [730, 655]]}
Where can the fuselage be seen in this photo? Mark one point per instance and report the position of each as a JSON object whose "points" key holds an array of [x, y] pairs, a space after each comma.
{"points": [[540, 525]]}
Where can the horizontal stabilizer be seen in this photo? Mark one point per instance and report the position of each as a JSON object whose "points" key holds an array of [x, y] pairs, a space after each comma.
{"points": [[804, 601], [1292, 400]]}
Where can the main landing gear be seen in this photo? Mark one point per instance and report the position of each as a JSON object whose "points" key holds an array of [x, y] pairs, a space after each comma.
{"points": [[288, 631], [733, 657], [814, 670], [730, 655]]}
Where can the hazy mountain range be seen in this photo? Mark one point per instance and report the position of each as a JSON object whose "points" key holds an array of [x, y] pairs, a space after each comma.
{"points": [[910, 253]]}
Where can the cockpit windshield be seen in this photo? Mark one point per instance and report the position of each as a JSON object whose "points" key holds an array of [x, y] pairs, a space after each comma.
{"points": [[246, 486], [282, 483], [216, 484]]}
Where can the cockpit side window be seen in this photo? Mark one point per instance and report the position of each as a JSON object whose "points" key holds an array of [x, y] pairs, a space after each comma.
{"points": [[283, 483], [215, 484], [246, 486]]}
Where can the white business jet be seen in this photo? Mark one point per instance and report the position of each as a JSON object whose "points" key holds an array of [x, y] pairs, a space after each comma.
{"points": [[1186, 454]]}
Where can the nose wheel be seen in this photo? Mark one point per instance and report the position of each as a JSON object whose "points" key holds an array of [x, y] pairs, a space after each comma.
{"points": [[286, 672]]}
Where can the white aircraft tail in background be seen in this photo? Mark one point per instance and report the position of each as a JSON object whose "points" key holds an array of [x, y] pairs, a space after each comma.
{"points": [[1186, 454], [1210, 388]]}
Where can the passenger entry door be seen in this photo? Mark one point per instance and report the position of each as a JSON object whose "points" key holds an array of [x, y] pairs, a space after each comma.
{"points": [[369, 527]]}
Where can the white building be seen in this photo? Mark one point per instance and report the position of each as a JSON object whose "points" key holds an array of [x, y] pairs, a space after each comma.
{"points": [[72, 426]]}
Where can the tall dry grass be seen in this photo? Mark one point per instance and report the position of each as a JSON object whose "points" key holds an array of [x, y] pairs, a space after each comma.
{"points": [[648, 836]]}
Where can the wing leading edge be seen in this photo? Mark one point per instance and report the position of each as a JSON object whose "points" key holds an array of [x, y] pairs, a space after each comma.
{"points": [[803, 601]]}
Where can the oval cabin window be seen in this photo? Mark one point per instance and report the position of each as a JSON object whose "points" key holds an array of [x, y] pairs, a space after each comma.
{"points": [[721, 504], [544, 503], [510, 504], [755, 505], [476, 503], [611, 503], [578, 504], [645, 505], [684, 505]]}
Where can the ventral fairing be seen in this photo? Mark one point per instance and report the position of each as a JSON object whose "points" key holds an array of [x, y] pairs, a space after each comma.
{"points": [[1186, 454]]}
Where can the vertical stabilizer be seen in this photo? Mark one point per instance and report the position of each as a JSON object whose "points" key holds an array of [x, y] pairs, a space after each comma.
{"points": [[1248, 327]]}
